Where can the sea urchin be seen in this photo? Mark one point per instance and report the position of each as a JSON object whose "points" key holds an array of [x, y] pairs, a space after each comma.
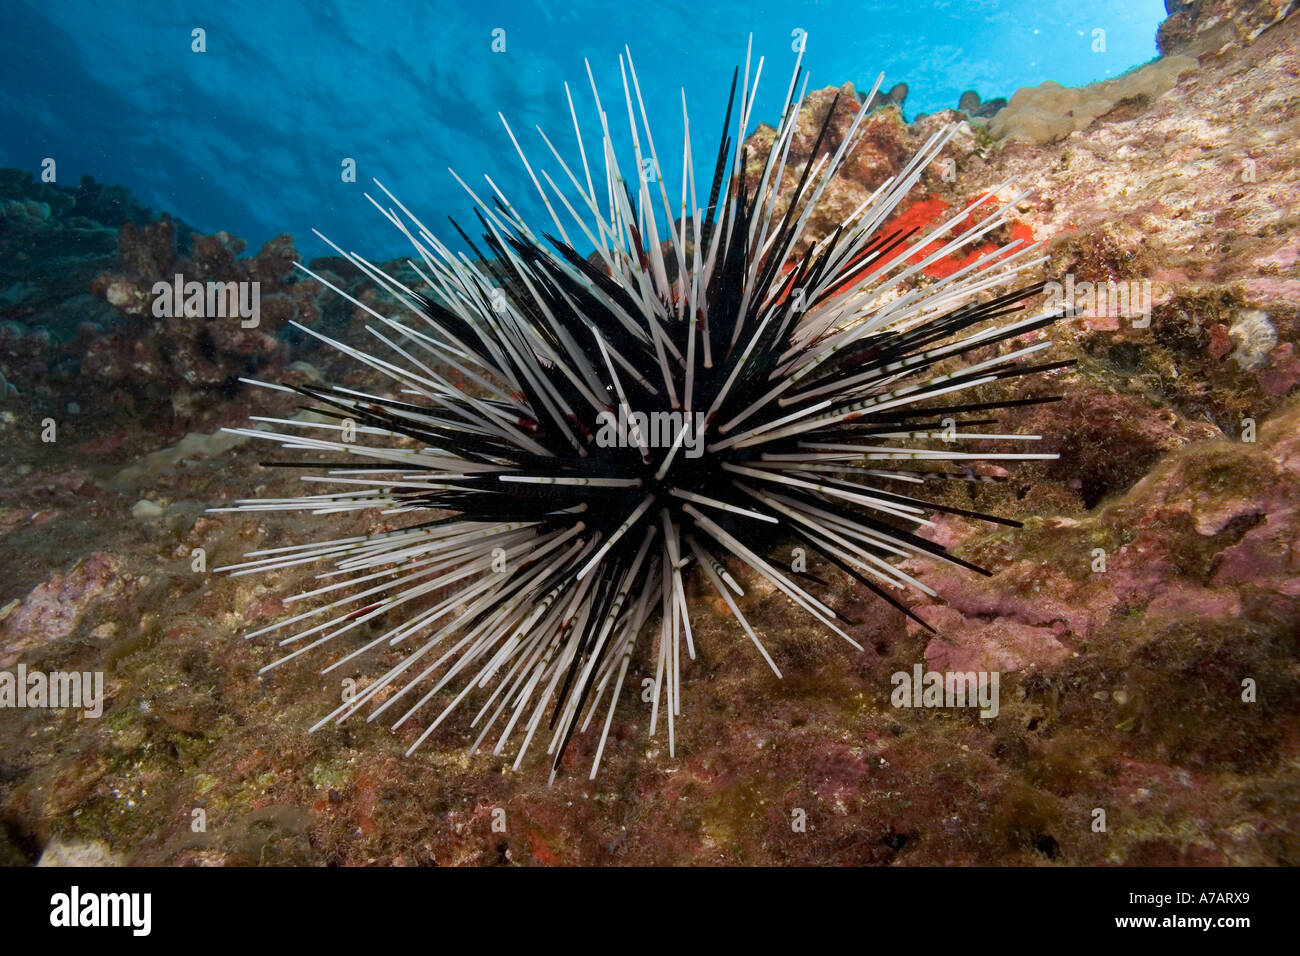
{"points": [[577, 436]]}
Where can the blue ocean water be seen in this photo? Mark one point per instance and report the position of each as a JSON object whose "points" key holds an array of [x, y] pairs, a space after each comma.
{"points": [[251, 134]]}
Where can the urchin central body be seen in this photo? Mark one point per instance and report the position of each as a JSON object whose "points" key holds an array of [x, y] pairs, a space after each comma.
{"points": [[574, 437]]}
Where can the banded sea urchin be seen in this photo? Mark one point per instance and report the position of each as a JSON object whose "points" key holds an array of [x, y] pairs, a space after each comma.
{"points": [[797, 382]]}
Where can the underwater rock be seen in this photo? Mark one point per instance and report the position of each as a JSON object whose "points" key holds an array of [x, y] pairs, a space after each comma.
{"points": [[1207, 536], [146, 510], [90, 853], [987, 644], [1198, 27], [881, 150], [155, 465], [53, 609], [878, 155], [1123, 669], [1283, 371]]}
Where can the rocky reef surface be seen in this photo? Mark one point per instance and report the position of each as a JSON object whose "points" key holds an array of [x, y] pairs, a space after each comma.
{"points": [[1145, 621]]}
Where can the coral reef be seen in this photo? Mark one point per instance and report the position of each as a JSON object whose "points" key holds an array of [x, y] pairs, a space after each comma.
{"points": [[896, 95], [1143, 621], [192, 361], [81, 338], [971, 104], [1046, 113]]}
